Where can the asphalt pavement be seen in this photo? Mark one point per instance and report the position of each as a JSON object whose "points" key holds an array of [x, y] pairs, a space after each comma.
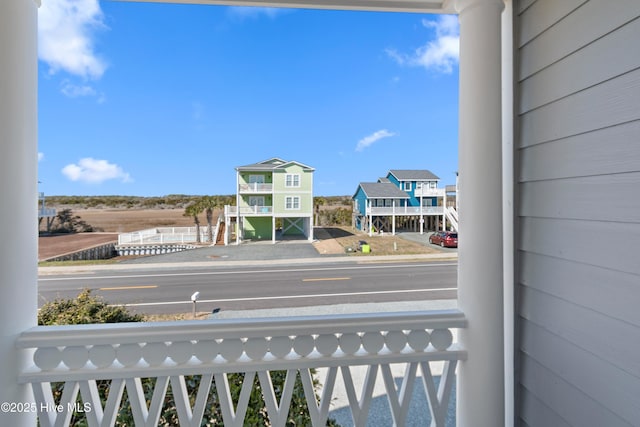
{"points": [[423, 239], [248, 251], [262, 251]]}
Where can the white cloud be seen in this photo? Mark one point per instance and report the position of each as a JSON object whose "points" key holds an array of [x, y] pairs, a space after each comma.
{"points": [[94, 171], [73, 91], [440, 54], [65, 37], [376, 136], [40, 156], [253, 12]]}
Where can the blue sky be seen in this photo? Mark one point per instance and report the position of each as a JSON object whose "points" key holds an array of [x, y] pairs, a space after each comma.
{"points": [[153, 99]]}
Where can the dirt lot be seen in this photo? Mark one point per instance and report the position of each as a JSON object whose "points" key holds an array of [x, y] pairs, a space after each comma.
{"points": [[112, 222], [125, 220], [338, 239], [50, 246], [330, 240]]}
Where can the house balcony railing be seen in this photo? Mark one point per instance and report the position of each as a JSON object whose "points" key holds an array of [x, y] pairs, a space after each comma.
{"points": [[248, 210], [255, 187], [429, 192], [127, 354], [405, 210]]}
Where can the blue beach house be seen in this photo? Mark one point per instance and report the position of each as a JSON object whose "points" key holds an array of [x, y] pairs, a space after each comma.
{"points": [[403, 199]]}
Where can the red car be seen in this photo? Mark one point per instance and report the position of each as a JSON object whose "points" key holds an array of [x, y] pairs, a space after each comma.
{"points": [[448, 239]]}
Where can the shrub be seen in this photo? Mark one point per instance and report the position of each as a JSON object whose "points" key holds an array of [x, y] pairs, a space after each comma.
{"points": [[66, 222], [87, 308]]}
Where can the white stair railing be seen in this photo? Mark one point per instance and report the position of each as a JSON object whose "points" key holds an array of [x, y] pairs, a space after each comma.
{"points": [[452, 216]]}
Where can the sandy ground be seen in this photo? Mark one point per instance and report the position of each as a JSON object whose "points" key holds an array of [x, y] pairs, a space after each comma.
{"points": [[50, 246], [330, 240], [114, 221], [326, 244], [125, 220]]}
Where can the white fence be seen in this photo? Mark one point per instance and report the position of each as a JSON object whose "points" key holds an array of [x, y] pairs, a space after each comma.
{"points": [[163, 235]]}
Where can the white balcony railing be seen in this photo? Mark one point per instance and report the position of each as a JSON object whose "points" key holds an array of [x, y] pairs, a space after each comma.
{"points": [[255, 187], [429, 192], [248, 210], [170, 352], [405, 210]]}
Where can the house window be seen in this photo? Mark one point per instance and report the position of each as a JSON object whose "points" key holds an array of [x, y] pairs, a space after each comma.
{"points": [[292, 180], [292, 202], [256, 201], [387, 203], [407, 186], [432, 184]]}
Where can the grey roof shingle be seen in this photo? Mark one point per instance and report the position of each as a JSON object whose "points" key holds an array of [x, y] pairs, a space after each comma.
{"points": [[382, 190], [413, 174], [270, 164]]}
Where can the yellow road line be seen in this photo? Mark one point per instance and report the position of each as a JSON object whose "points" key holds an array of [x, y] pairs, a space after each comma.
{"points": [[129, 287], [326, 279]]}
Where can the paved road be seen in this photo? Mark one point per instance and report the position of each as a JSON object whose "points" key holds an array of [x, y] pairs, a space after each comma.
{"points": [[261, 287]]}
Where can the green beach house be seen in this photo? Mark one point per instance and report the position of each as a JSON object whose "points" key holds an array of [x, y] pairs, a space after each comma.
{"points": [[274, 200]]}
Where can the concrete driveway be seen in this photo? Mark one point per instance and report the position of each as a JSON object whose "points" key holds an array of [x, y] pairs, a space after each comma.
{"points": [[248, 251]]}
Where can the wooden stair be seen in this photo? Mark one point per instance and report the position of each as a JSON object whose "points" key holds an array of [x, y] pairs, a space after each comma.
{"points": [[220, 236]]}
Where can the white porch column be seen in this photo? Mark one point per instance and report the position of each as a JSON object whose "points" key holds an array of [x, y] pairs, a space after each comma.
{"points": [[508, 210], [393, 217], [273, 229], [480, 390], [19, 191], [444, 208], [421, 215], [444, 213], [370, 219]]}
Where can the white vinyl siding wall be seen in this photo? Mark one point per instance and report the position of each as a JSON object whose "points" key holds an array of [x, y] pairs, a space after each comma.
{"points": [[578, 209]]}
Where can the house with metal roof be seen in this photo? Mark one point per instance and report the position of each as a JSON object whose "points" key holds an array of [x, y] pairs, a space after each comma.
{"points": [[408, 199], [274, 198]]}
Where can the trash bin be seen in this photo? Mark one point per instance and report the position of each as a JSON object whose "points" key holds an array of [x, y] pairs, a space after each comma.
{"points": [[366, 249]]}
